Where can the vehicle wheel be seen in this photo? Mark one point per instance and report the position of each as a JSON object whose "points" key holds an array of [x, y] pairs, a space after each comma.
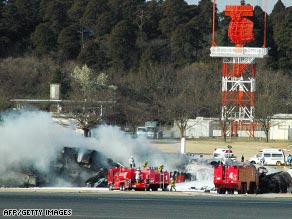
{"points": [[122, 187], [223, 191], [252, 162], [278, 163], [230, 191]]}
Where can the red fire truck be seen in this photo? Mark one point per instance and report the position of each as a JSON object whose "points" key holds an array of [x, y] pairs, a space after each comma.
{"points": [[147, 179], [243, 178]]}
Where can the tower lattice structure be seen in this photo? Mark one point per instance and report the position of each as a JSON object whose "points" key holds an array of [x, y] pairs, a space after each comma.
{"points": [[238, 71]]}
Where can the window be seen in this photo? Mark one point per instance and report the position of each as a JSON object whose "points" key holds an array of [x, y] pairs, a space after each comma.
{"points": [[259, 155], [277, 155], [267, 155]]}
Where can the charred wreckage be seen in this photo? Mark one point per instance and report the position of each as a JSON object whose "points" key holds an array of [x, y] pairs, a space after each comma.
{"points": [[79, 167]]}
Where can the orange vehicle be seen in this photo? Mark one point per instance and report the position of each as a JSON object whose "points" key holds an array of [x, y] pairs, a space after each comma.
{"points": [[121, 178], [243, 178]]}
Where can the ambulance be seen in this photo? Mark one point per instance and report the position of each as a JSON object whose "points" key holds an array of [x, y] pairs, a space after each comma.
{"points": [[271, 156]]}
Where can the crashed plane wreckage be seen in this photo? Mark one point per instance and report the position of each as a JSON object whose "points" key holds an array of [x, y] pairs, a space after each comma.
{"points": [[79, 167], [71, 167]]}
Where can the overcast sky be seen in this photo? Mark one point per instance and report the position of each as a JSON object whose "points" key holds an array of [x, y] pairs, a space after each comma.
{"points": [[270, 3]]}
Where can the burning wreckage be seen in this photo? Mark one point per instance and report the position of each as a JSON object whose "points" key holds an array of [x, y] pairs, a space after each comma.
{"points": [[79, 167], [72, 167]]}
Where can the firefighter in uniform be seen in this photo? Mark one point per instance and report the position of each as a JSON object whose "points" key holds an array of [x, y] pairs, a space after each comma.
{"points": [[160, 168], [144, 164], [137, 175], [172, 184]]}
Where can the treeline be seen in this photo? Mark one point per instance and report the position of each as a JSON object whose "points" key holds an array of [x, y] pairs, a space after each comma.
{"points": [[143, 47]]}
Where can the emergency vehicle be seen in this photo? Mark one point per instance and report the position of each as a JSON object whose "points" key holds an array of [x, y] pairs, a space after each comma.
{"points": [[242, 178], [148, 178], [222, 154], [270, 156]]}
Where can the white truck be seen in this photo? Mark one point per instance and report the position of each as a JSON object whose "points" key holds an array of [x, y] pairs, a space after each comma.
{"points": [[151, 130], [271, 156], [223, 154]]}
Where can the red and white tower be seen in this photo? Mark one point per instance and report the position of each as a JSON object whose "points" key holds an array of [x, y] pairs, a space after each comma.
{"points": [[238, 70]]}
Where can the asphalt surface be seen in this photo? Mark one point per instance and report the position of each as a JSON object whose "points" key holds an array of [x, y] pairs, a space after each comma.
{"points": [[117, 204]]}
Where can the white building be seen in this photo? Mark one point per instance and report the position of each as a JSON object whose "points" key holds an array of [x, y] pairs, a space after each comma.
{"points": [[199, 128], [281, 127]]}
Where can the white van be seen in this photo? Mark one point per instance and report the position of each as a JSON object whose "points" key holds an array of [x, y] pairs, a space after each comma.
{"points": [[271, 156], [223, 154], [141, 131]]}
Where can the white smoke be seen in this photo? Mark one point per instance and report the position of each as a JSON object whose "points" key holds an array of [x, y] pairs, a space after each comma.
{"points": [[32, 138], [120, 146], [200, 171]]}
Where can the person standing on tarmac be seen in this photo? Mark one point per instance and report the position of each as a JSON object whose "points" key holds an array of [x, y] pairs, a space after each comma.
{"points": [[289, 159], [263, 161], [172, 184]]}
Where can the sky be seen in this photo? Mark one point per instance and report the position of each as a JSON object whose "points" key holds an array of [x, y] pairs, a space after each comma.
{"points": [[270, 3]]}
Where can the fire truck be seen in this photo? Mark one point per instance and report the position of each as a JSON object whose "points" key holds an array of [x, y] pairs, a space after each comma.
{"points": [[243, 178], [249, 178], [148, 178]]}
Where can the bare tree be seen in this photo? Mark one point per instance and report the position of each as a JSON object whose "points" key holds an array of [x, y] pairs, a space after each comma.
{"points": [[272, 95], [92, 94], [192, 95]]}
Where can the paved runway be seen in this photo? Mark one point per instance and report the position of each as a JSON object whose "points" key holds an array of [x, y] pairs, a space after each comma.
{"points": [[117, 204]]}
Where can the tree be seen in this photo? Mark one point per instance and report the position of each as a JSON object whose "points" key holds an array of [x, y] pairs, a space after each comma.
{"points": [[122, 46], [69, 42], [285, 42], [184, 41], [104, 24], [150, 15], [18, 20], [272, 94], [191, 95], [44, 40], [93, 55], [174, 14], [124, 9], [55, 13], [94, 93]]}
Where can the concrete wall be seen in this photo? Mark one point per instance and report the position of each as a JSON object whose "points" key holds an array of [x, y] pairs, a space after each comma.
{"points": [[281, 127]]}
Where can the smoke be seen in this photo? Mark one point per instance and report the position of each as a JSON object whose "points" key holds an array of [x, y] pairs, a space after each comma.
{"points": [[120, 146], [200, 171], [31, 140]]}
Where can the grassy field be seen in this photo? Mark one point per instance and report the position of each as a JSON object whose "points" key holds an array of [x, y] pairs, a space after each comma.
{"points": [[247, 147]]}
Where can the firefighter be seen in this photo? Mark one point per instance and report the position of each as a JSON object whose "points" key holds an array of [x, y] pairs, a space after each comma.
{"points": [[172, 184], [242, 158], [160, 168], [145, 164], [132, 162], [137, 175]]}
